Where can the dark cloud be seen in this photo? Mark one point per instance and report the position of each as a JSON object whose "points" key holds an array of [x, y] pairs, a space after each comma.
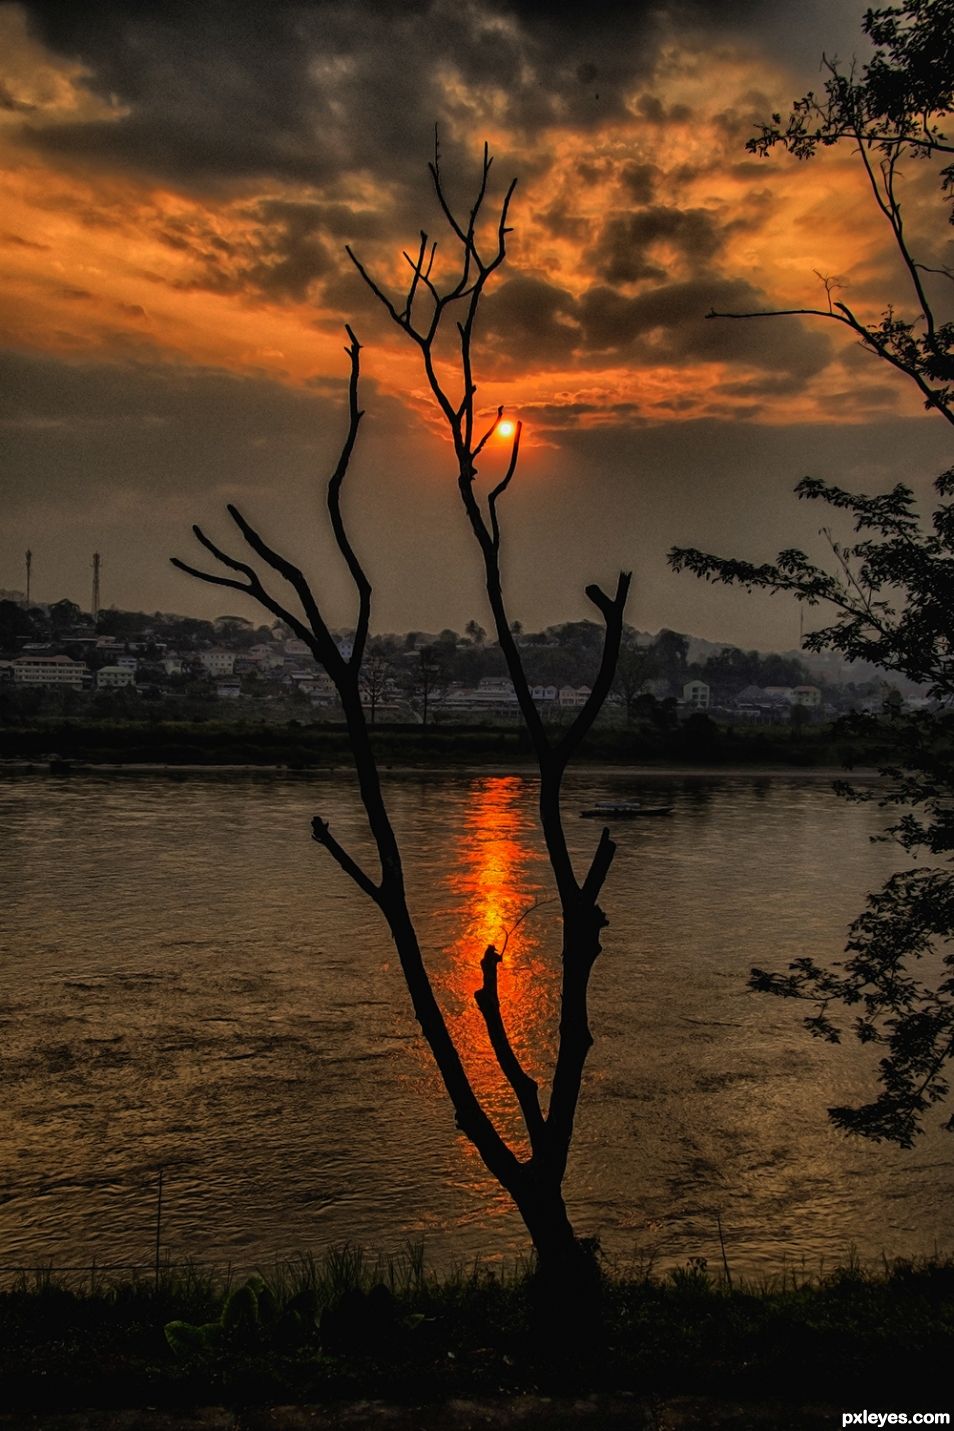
{"points": [[640, 180], [18, 241], [529, 321], [669, 324], [12, 105], [653, 110], [628, 247], [309, 91]]}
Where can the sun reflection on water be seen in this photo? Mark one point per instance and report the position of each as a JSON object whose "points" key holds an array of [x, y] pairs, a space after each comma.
{"points": [[496, 880]]}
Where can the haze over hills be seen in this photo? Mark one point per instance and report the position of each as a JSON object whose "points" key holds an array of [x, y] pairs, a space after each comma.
{"points": [[21, 625]]}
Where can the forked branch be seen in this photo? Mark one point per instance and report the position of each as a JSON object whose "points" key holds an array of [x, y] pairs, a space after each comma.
{"points": [[487, 999]]}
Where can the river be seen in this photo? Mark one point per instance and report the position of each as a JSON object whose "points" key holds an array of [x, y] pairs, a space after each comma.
{"points": [[190, 984]]}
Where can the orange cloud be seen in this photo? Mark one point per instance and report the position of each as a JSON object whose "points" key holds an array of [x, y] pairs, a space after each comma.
{"points": [[625, 234]]}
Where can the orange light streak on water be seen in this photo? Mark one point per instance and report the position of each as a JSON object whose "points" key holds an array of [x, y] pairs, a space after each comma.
{"points": [[497, 878]]}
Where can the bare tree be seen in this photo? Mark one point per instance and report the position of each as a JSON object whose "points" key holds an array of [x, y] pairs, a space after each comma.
{"points": [[636, 666], [377, 678], [426, 675], [534, 1182]]}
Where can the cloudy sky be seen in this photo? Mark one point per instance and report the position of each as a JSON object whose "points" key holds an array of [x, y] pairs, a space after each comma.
{"points": [[178, 184]]}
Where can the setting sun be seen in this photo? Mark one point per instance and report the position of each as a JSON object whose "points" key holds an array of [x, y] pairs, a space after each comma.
{"points": [[506, 428]]}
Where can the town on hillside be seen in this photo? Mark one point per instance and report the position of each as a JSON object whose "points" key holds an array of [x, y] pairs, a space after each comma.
{"points": [[56, 660]]}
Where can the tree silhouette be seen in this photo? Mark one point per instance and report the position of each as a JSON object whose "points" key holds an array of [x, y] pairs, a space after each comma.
{"points": [[891, 113], [892, 595], [893, 598], [534, 1182]]}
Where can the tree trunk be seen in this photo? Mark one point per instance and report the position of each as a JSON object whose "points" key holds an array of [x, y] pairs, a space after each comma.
{"points": [[565, 1289]]}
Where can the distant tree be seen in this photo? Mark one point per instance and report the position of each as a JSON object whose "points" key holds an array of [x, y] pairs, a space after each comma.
{"points": [[475, 632], [426, 313], [660, 714], [377, 675], [64, 616], [670, 652], [636, 665], [425, 679], [17, 625], [127, 625]]}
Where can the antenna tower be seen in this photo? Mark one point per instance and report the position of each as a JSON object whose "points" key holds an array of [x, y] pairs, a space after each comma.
{"points": [[97, 563], [29, 563]]}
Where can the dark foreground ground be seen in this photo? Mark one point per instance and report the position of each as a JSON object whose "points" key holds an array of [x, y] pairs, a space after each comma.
{"points": [[521, 1413], [346, 1343]]}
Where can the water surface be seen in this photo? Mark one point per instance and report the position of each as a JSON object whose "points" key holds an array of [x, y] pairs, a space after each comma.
{"points": [[188, 982]]}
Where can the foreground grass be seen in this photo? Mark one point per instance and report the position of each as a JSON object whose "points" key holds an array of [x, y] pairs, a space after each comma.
{"points": [[312, 1331]]}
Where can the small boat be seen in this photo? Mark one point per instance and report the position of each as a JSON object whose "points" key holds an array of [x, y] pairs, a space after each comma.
{"points": [[623, 810]]}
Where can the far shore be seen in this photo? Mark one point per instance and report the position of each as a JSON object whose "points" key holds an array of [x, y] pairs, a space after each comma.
{"points": [[57, 767]]}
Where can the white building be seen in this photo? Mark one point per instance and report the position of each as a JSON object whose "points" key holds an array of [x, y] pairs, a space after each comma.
{"points": [[809, 696], [695, 695], [49, 671], [265, 658], [217, 663], [113, 677]]}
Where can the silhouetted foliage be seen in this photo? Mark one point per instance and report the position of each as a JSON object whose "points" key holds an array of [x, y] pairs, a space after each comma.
{"points": [[892, 592], [891, 112]]}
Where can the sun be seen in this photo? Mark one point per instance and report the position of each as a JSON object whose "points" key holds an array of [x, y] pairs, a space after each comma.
{"points": [[506, 428]]}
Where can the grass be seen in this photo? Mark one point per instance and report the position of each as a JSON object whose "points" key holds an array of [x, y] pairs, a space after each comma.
{"points": [[349, 1324]]}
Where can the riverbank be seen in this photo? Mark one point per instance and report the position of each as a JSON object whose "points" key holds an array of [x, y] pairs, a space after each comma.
{"points": [[346, 1331], [68, 744]]}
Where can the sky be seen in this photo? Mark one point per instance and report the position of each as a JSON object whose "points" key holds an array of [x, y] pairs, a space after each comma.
{"points": [[178, 182]]}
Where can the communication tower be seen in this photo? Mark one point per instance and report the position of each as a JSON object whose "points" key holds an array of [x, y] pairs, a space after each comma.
{"points": [[97, 563], [29, 563]]}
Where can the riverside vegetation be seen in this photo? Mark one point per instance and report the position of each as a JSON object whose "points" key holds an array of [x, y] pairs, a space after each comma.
{"points": [[302, 746], [352, 1326]]}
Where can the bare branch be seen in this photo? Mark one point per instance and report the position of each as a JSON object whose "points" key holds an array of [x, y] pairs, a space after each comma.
{"points": [[252, 586], [599, 868], [211, 577], [524, 914], [321, 639], [525, 1088], [869, 336], [417, 273], [782, 313], [502, 486], [321, 833], [361, 581], [489, 433], [611, 609], [402, 320]]}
